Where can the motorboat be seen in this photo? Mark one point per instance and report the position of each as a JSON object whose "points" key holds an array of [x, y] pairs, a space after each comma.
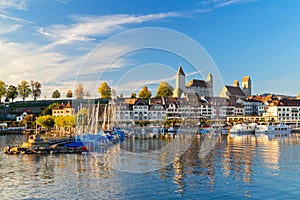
{"points": [[282, 129], [265, 128], [243, 128], [269, 129]]}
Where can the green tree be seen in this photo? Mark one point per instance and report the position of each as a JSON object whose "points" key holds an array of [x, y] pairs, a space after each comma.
{"points": [[48, 110], [65, 122], [79, 91], [133, 95], [145, 93], [12, 92], [55, 94], [46, 121], [2, 89], [69, 94], [35, 89], [24, 90], [164, 90], [104, 90]]}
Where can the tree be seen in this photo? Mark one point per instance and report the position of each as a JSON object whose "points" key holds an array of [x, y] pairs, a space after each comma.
{"points": [[133, 95], [55, 94], [35, 89], [12, 92], [79, 91], [28, 121], [164, 90], [69, 94], [24, 90], [46, 121], [144, 93], [48, 110], [2, 89], [104, 90]]}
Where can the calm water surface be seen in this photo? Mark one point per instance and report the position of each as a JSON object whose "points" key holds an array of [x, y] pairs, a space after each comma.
{"points": [[240, 167]]}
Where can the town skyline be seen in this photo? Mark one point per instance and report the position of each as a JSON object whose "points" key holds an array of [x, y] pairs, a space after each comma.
{"points": [[243, 38]]}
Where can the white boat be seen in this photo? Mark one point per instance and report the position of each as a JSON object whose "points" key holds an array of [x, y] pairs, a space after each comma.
{"points": [[264, 129], [269, 129], [243, 129], [282, 129]]}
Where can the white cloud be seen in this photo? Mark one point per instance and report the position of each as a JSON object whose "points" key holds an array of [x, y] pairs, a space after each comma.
{"points": [[16, 4], [8, 28], [87, 28]]}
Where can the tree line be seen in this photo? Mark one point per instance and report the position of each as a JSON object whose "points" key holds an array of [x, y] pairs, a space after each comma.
{"points": [[34, 89], [163, 90]]}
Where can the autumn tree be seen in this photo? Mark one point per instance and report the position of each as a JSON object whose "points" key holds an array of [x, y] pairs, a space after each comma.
{"points": [[24, 90], [132, 95], [12, 92], [2, 89], [55, 94], [79, 91], [145, 93], [28, 121], [35, 89], [164, 90], [69, 94], [104, 90]]}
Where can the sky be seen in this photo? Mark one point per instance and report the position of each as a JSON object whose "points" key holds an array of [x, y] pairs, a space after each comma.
{"points": [[131, 44]]}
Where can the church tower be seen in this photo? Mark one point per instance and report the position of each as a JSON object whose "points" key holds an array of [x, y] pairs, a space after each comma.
{"points": [[180, 83], [210, 84], [246, 85]]}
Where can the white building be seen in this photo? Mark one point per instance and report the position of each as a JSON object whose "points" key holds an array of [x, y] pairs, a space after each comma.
{"points": [[286, 110], [251, 106]]}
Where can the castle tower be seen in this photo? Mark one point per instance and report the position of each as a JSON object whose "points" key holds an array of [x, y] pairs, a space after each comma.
{"points": [[210, 84], [236, 83], [180, 83], [246, 85]]}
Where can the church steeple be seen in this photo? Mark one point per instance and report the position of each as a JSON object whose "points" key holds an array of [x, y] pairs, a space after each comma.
{"points": [[180, 71], [180, 82]]}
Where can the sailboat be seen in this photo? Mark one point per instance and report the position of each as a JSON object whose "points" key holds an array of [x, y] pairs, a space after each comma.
{"points": [[90, 137]]}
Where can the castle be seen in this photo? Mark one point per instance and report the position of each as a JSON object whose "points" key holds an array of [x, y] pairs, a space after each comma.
{"points": [[236, 92], [194, 86]]}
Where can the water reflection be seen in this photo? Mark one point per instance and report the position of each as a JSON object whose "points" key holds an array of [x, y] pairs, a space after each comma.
{"points": [[238, 166]]}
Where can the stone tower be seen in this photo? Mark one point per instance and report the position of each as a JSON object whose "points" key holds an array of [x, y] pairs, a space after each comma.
{"points": [[210, 84], [246, 85], [236, 83], [180, 83]]}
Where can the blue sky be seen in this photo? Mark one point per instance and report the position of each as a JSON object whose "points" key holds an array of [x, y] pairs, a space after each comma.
{"points": [[56, 42]]}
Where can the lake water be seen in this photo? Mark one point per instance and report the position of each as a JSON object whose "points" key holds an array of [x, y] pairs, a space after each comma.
{"points": [[240, 167]]}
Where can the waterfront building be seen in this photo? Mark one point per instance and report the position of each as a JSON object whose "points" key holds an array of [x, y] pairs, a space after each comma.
{"points": [[286, 110], [251, 106], [63, 110], [222, 107]]}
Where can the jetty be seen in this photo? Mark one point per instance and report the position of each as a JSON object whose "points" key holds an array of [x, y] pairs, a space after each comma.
{"points": [[37, 145]]}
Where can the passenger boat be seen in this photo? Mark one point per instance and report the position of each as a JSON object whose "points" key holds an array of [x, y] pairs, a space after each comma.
{"points": [[269, 129], [264, 128], [282, 129], [243, 129]]}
